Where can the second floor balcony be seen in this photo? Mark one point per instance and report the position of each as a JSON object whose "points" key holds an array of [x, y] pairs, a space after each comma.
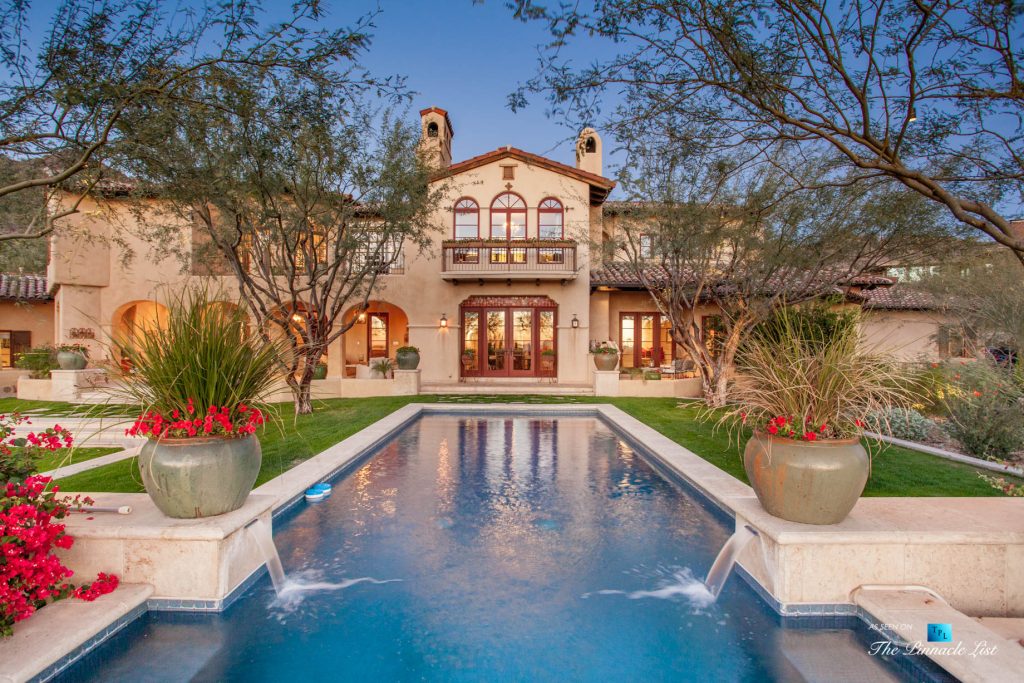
{"points": [[508, 260]]}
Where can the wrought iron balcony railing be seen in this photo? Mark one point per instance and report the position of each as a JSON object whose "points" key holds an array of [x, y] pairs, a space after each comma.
{"points": [[515, 259]]}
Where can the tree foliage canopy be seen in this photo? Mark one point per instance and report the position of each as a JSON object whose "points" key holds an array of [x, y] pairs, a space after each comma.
{"points": [[929, 93]]}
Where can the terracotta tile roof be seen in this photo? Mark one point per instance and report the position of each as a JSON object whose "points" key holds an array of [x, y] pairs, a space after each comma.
{"points": [[599, 185], [618, 274], [900, 298], [23, 288]]}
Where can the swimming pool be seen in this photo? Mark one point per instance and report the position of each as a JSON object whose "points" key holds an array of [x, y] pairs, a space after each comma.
{"points": [[492, 548]]}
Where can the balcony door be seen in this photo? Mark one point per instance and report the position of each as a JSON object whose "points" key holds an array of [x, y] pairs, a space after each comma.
{"points": [[512, 341]]}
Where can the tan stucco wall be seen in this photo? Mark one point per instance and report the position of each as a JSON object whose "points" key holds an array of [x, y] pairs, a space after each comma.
{"points": [[36, 318], [906, 335]]}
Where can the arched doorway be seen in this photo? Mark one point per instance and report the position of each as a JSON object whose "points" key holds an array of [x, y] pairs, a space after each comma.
{"points": [[377, 331], [135, 319]]}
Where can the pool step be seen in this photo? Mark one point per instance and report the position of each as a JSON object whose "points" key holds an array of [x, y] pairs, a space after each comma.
{"points": [[504, 388]]}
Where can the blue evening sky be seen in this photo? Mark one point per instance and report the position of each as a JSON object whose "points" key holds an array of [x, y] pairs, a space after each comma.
{"points": [[466, 58]]}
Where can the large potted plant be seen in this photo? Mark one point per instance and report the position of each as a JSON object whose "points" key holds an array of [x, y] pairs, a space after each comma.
{"points": [[408, 357], [606, 355], [200, 379], [72, 356], [807, 389]]}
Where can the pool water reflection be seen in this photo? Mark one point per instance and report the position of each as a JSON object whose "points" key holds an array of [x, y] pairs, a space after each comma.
{"points": [[512, 548]]}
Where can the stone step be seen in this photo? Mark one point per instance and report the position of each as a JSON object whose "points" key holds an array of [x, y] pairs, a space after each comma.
{"points": [[507, 388]]}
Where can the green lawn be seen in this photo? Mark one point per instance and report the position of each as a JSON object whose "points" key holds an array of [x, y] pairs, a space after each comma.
{"points": [[895, 471], [65, 457], [10, 405]]}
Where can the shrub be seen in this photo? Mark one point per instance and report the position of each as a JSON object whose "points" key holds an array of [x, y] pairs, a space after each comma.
{"points": [[18, 455], [31, 574], [902, 423], [986, 410], [811, 382], [39, 361], [407, 349], [201, 366]]}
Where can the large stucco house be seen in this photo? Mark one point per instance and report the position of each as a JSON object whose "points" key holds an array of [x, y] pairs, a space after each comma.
{"points": [[510, 295]]}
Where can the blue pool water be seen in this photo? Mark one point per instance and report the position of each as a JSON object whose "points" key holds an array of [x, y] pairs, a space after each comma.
{"points": [[497, 549]]}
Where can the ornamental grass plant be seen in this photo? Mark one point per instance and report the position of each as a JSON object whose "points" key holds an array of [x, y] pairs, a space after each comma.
{"points": [[202, 367], [806, 381]]}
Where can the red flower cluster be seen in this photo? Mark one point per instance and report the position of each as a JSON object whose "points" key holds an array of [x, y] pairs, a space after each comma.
{"points": [[186, 423], [787, 427], [30, 573], [50, 439]]}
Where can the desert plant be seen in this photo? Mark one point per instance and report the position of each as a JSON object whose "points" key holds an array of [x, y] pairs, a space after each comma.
{"points": [[799, 383], [986, 411], [383, 366], [202, 359], [902, 423], [38, 360], [74, 348]]}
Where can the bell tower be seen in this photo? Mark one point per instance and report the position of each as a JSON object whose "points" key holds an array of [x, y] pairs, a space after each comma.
{"points": [[436, 137], [588, 151]]}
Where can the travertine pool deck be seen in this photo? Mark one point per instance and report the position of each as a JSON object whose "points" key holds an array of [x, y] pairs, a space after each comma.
{"points": [[970, 551]]}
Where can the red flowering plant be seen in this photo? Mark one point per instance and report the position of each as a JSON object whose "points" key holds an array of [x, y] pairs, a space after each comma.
{"points": [[31, 574], [799, 380], [19, 454], [238, 420], [202, 372]]}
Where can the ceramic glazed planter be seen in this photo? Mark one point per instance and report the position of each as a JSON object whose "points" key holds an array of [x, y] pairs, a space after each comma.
{"points": [[810, 482], [320, 371], [190, 478], [407, 360], [606, 361], [71, 360]]}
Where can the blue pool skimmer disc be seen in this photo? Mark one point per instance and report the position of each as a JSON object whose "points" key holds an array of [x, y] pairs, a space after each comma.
{"points": [[318, 492]]}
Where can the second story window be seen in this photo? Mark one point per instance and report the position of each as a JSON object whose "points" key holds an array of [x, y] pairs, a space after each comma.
{"points": [[508, 217], [645, 246], [550, 220], [467, 219]]}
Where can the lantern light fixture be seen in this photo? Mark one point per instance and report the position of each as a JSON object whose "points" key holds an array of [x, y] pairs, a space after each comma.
{"points": [[443, 322], [575, 322]]}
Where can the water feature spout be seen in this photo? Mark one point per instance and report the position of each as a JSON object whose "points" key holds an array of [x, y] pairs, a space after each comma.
{"points": [[726, 560], [259, 531]]}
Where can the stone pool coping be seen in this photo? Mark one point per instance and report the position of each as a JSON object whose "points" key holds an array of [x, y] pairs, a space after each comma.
{"points": [[803, 570], [71, 627]]}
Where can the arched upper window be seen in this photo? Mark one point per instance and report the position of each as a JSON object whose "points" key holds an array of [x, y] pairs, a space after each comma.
{"points": [[467, 219], [508, 217], [550, 220], [590, 146], [432, 130]]}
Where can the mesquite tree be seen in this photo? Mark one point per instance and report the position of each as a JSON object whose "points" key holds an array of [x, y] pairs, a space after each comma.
{"points": [[68, 87], [734, 236], [927, 93], [305, 192]]}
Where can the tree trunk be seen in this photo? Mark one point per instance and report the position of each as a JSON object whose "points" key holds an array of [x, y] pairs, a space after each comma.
{"points": [[303, 397]]}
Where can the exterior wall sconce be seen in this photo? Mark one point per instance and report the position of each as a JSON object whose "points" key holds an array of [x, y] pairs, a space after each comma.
{"points": [[575, 322], [362, 317], [443, 322]]}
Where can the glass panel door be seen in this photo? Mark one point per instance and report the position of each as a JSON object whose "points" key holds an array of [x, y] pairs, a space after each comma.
{"points": [[522, 342], [471, 343], [627, 340], [666, 350], [546, 339], [496, 335], [648, 356], [378, 335]]}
